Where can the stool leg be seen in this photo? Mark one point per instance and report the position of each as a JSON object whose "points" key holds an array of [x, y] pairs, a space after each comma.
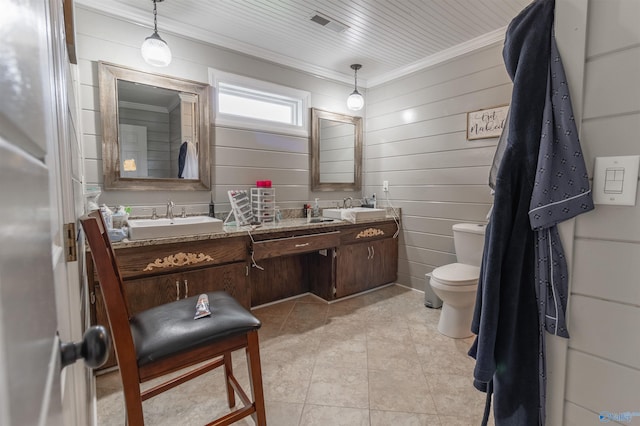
{"points": [[255, 377], [228, 371]]}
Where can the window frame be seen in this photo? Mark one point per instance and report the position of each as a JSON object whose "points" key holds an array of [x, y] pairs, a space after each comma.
{"points": [[251, 88]]}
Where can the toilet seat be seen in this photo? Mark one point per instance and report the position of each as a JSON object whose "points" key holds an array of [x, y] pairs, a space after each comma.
{"points": [[456, 274]]}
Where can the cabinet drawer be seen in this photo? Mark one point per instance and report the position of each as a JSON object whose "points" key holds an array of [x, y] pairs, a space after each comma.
{"points": [[368, 232], [152, 260], [295, 245]]}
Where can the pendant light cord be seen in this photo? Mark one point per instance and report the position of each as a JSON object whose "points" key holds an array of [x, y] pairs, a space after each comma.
{"points": [[355, 77], [155, 17]]}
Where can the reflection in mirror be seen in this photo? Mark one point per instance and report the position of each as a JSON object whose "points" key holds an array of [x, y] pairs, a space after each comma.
{"points": [[155, 130], [336, 151]]}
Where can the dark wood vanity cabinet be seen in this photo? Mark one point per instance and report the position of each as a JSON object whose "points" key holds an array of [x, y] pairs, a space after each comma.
{"points": [[366, 258], [331, 262], [145, 293]]}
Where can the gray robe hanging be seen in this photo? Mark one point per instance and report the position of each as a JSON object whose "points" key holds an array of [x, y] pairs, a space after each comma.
{"points": [[506, 315], [523, 252]]}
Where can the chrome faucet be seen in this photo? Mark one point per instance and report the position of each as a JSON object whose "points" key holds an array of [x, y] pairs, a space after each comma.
{"points": [[170, 205]]}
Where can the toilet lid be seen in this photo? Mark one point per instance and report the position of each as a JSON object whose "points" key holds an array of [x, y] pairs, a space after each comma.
{"points": [[457, 274]]}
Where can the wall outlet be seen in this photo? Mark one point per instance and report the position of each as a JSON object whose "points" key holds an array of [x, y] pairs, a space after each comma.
{"points": [[385, 185]]}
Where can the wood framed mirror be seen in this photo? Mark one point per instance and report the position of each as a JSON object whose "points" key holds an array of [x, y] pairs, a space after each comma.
{"points": [[336, 151], [155, 131]]}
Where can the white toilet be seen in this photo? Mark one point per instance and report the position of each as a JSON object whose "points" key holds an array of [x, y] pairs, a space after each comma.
{"points": [[456, 283]]}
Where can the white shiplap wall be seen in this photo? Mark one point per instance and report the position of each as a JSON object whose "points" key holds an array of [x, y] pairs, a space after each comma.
{"points": [[238, 157], [416, 140], [603, 361]]}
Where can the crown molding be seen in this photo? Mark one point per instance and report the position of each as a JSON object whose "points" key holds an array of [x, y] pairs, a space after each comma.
{"points": [[480, 42]]}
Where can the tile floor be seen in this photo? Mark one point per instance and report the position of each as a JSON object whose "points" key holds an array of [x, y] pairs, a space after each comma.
{"points": [[373, 360]]}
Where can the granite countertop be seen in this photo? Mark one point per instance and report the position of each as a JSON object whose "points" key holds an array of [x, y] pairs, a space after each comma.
{"points": [[290, 224]]}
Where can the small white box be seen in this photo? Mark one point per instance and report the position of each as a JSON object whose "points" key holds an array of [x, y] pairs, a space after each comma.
{"points": [[615, 180]]}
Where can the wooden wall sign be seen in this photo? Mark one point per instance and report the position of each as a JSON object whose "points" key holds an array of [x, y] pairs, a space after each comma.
{"points": [[486, 123]]}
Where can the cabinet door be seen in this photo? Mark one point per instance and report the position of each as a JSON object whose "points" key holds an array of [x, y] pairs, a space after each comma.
{"points": [[145, 293], [352, 268], [384, 261], [231, 278]]}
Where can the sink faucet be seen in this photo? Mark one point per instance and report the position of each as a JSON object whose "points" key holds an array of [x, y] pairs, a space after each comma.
{"points": [[170, 205], [344, 203]]}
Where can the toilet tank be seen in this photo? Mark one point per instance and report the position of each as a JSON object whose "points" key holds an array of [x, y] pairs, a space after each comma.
{"points": [[468, 240]]}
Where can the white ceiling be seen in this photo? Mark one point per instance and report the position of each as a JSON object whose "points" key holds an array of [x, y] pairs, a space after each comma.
{"points": [[389, 38]]}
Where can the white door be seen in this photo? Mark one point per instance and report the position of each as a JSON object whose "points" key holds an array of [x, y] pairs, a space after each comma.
{"points": [[33, 267], [133, 151]]}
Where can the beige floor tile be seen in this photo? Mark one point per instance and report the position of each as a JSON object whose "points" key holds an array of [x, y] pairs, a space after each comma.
{"points": [[287, 381], [385, 354], [344, 353], [281, 309], [345, 307], [396, 331], [290, 347], [444, 357], [309, 298], [462, 421], [339, 387], [283, 413], [346, 329], [455, 396], [396, 418], [269, 330], [400, 391], [375, 359], [317, 415]]}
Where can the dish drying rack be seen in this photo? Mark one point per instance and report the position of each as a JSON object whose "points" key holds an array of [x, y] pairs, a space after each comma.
{"points": [[240, 207]]}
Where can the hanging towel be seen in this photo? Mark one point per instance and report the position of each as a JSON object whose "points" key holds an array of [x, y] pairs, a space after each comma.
{"points": [[190, 170], [182, 157]]}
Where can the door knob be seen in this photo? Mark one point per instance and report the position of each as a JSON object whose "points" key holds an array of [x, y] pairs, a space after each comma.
{"points": [[94, 348]]}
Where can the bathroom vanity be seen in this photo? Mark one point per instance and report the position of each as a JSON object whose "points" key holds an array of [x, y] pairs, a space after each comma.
{"points": [[329, 259]]}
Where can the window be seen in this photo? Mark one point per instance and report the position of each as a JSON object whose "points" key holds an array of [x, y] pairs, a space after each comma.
{"points": [[247, 103]]}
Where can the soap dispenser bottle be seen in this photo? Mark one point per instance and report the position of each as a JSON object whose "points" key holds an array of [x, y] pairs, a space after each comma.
{"points": [[316, 208]]}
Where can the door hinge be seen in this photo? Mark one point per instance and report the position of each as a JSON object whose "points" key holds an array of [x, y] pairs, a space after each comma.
{"points": [[92, 298], [334, 290], [70, 246]]}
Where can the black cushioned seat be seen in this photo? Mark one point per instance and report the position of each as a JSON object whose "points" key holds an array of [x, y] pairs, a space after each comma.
{"points": [[168, 329]]}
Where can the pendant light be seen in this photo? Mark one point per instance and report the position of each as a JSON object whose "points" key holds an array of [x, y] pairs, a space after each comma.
{"points": [[155, 50], [355, 101]]}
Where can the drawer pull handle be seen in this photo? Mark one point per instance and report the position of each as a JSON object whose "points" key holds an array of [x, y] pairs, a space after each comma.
{"points": [[302, 245], [186, 289], [177, 290]]}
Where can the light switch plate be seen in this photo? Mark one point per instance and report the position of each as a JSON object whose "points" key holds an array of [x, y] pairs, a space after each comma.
{"points": [[615, 180]]}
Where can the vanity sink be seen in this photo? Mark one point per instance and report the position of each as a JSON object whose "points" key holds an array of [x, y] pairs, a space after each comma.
{"points": [[355, 214], [144, 229]]}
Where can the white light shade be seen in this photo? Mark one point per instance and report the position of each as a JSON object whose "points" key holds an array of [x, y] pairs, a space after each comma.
{"points": [[155, 51], [355, 101]]}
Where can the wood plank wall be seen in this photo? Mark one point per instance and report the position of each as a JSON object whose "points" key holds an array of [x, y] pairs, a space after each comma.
{"points": [[416, 139], [603, 362], [238, 157]]}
